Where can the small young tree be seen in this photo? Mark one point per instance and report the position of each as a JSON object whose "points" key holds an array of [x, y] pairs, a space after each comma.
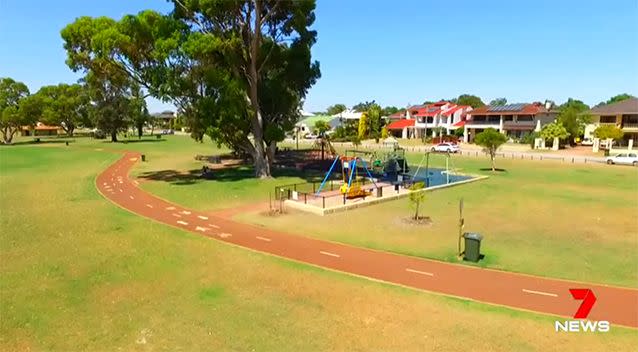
{"points": [[554, 130], [490, 140], [321, 127], [608, 132], [376, 123], [416, 197], [362, 132], [355, 140], [384, 133]]}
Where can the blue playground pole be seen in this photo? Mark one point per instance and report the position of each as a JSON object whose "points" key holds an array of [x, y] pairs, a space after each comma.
{"points": [[352, 169], [327, 175], [370, 176]]}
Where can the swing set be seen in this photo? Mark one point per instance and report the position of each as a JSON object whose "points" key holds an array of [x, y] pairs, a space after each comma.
{"points": [[352, 186]]}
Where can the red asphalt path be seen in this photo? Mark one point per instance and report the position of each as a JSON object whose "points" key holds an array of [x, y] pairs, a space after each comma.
{"points": [[544, 295]]}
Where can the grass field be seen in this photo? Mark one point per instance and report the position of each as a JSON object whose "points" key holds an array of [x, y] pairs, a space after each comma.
{"points": [[546, 218], [78, 273]]}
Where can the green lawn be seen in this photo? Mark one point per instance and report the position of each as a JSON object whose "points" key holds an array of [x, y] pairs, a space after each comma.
{"points": [[546, 218], [78, 273]]}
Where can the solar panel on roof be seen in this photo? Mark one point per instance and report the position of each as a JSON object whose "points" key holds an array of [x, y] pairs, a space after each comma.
{"points": [[509, 107]]}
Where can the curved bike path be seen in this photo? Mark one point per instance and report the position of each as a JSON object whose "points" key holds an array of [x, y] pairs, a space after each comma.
{"points": [[617, 305]]}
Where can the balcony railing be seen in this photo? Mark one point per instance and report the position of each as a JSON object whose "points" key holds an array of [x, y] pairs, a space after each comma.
{"points": [[519, 123], [472, 122], [630, 125]]}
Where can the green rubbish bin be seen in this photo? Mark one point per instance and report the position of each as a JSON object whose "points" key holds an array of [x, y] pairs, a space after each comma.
{"points": [[472, 246]]}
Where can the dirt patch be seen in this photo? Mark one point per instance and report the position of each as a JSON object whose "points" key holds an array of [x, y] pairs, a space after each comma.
{"points": [[420, 221], [273, 213]]}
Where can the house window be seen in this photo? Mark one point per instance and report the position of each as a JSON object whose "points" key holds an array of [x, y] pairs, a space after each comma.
{"points": [[495, 119], [608, 119], [508, 118], [430, 119], [525, 118], [479, 118]]}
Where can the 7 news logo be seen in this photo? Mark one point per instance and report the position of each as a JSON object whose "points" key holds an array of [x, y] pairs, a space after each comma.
{"points": [[588, 298]]}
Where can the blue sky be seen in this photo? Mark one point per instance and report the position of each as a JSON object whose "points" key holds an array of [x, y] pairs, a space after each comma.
{"points": [[399, 52]]}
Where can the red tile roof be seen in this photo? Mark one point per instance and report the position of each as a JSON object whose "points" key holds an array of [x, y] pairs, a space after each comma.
{"points": [[459, 124], [400, 124], [398, 115]]}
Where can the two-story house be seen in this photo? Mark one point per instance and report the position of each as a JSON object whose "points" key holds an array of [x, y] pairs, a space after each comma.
{"points": [[623, 114], [513, 120], [416, 121]]}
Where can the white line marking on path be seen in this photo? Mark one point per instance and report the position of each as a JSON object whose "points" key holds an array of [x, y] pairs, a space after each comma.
{"points": [[105, 183], [540, 293], [202, 229], [263, 238], [419, 272], [185, 212], [176, 215], [148, 205], [131, 197], [202, 217], [170, 208], [182, 222], [136, 183], [213, 226], [330, 254], [121, 190], [224, 235]]}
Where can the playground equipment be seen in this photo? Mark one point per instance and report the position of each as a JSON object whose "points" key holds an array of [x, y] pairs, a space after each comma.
{"points": [[352, 186], [324, 145], [386, 163]]}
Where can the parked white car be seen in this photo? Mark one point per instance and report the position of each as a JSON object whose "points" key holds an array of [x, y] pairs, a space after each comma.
{"points": [[310, 136], [446, 148], [587, 142], [624, 158]]}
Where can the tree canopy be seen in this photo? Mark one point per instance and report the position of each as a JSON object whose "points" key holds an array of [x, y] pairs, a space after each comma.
{"points": [[554, 130], [574, 118], [17, 108], [237, 70], [335, 109], [490, 139], [468, 99], [389, 110], [498, 102], [363, 106], [616, 99], [608, 132], [65, 105]]}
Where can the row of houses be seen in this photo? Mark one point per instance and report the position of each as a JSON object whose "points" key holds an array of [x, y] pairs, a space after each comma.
{"points": [[514, 120]]}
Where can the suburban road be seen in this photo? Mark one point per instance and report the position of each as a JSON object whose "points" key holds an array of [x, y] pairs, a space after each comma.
{"points": [[617, 305]]}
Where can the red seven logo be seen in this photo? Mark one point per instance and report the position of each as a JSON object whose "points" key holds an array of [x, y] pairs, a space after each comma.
{"points": [[588, 298]]}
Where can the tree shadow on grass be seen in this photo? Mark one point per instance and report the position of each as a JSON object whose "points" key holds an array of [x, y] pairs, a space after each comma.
{"points": [[143, 140], [489, 169], [228, 174], [60, 140]]}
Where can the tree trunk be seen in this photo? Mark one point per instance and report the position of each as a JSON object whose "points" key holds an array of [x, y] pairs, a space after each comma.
{"points": [[140, 131], [262, 169], [416, 214], [270, 154], [114, 136], [492, 157]]}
